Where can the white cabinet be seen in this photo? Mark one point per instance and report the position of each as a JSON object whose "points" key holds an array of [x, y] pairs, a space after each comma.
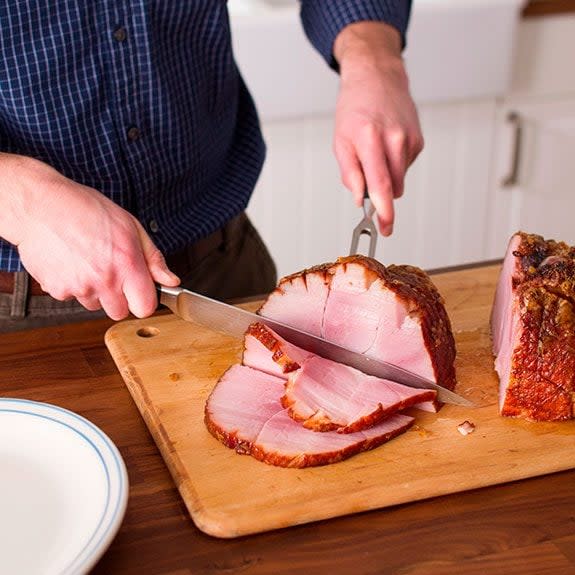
{"points": [[441, 220], [542, 95], [542, 198]]}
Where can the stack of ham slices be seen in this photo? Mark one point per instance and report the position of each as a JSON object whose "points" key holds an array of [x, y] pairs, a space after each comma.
{"points": [[533, 329], [288, 407]]}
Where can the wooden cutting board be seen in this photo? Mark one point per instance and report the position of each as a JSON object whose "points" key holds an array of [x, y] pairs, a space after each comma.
{"points": [[170, 367]]}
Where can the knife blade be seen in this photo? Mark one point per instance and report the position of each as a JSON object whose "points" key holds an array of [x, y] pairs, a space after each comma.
{"points": [[233, 320]]}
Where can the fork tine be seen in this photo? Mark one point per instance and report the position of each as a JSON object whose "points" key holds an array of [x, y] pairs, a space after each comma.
{"points": [[365, 227]]}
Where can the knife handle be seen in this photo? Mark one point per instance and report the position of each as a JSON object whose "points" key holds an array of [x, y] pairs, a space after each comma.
{"points": [[168, 296]]}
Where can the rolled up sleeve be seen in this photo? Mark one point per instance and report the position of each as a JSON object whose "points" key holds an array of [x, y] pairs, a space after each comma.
{"points": [[324, 19]]}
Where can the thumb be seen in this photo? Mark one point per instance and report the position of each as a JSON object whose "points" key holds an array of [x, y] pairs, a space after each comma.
{"points": [[155, 260]]}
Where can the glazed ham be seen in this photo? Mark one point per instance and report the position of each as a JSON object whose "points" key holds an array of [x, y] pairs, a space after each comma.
{"points": [[392, 313], [288, 407], [533, 329], [325, 395], [245, 413]]}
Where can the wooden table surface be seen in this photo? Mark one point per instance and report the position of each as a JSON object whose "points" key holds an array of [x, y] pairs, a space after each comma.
{"points": [[526, 527]]}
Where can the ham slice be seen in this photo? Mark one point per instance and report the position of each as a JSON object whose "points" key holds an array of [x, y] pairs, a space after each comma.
{"points": [[533, 329], [240, 404], [392, 313], [245, 413], [267, 351], [325, 395]]}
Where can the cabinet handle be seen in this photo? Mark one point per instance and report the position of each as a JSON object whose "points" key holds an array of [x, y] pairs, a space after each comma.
{"points": [[512, 179]]}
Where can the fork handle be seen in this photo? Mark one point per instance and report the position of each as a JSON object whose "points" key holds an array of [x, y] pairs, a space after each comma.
{"points": [[369, 209]]}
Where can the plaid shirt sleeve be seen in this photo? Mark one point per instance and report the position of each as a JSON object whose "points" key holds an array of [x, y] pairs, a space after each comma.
{"points": [[324, 19]]}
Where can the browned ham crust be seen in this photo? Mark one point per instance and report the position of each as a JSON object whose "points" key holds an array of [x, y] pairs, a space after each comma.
{"points": [[533, 326], [269, 340]]}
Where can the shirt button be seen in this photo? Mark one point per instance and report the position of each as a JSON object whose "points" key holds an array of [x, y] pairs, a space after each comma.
{"points": [[154, 227], [134, 133], [120, 34]]}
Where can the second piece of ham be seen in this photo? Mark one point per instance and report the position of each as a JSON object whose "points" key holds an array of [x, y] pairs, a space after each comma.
{"points": [[533, 329], [288, 407]]}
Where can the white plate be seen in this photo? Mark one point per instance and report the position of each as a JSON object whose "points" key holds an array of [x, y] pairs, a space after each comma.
{"points": [[63, 490]]}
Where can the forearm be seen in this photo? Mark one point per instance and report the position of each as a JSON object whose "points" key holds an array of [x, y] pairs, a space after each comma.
{"points": [[324, 21], [377, 134]]}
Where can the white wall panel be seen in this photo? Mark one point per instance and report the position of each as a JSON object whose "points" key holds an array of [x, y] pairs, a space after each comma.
{"points": [[306, 216]]}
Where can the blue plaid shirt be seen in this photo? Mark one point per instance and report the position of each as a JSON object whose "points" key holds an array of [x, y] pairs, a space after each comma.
{"points": [[142, 100]]}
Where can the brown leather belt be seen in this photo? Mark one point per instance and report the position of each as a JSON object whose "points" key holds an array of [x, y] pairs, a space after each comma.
{"points": [[7, 284]]}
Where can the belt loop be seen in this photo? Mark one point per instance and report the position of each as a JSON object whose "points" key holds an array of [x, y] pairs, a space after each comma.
{"points": [[20, 295]]}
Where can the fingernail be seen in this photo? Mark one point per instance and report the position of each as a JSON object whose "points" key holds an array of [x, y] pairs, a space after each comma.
{"points": [[387, 230]]}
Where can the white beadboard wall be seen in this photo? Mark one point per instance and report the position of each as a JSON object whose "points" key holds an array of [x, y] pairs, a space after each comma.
{"points": [[306, 216]]}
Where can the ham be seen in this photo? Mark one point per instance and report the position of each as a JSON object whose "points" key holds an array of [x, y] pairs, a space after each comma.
{"points": [[533, 329], [323, 394], [245, 413], [288, 407], [392, 313], [267, 351]]}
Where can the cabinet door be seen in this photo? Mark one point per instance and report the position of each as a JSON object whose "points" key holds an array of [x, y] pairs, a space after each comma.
{"points": [[541, 197]]}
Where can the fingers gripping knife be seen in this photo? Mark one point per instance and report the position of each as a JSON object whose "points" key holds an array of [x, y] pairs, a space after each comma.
{"points": [[365, 227]]}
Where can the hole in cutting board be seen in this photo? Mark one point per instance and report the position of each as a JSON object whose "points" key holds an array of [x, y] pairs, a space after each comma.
{"points": [[148, 331]]}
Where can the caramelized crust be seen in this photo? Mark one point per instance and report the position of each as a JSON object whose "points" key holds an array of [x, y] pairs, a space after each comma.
{"points": [[534, 253], [541, 385]]}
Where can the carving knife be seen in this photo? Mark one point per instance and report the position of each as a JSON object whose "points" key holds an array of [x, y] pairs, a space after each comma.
{"points": [[234, 321]]}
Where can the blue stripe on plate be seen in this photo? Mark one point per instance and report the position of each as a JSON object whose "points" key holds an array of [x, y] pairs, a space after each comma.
{"points": [[92, 550]]}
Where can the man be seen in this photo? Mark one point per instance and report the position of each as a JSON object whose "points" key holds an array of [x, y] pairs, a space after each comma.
{"points": [[129, 147]]}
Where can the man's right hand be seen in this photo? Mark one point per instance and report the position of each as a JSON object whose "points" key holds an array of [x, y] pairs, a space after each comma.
{"points": [[77, 243]]}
